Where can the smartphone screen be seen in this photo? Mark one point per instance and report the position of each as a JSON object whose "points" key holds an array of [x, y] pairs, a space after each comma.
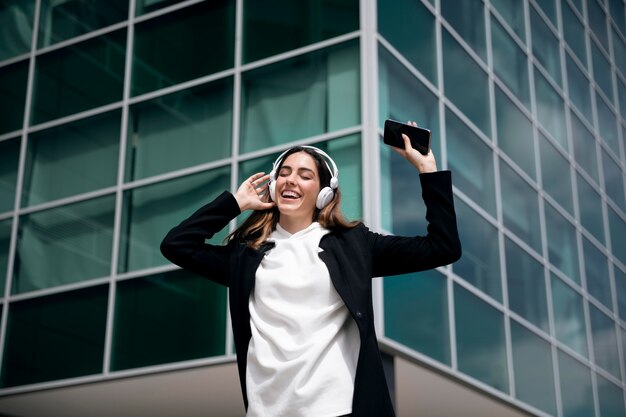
{"points": [[420, 137]]}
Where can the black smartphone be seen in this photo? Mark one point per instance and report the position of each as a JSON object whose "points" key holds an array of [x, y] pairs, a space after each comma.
{"points": [[420, 137]]}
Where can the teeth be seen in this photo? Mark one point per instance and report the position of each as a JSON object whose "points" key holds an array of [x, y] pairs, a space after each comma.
{"points": [[290, 194]]}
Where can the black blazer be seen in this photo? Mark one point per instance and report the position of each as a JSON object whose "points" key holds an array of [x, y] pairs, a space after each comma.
{"points": [[353, 257]]}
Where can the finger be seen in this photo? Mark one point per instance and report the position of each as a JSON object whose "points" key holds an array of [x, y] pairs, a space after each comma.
{"points": [[255, 177], [407, 143]]}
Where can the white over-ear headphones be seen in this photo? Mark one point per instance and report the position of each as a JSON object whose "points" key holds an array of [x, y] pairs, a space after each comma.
{"points": [[326, 194]]}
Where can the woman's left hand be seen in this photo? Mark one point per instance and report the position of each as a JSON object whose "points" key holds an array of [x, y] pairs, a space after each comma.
{"points": [[423, 163]]}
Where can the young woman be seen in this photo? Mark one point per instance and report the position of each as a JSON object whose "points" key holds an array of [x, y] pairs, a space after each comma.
{"points": [[299, 278]]}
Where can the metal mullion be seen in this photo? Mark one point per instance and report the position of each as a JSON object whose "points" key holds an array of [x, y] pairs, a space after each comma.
{"points": [[66, 201], [164, 10], [11, 135], [81, 38], [60, 289], [15, 59], [464, 45], [75, 117]]}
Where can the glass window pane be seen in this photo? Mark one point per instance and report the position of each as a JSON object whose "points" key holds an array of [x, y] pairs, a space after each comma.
{"points": [[515, 133], [480, 263], [579, 92], [147, 6], [562, 246], [622, 97], [9, 159], [576, 389], [79, 77], [16, 21], [616, 12], [183, 45], [147, 219], [64, 245], [154, 314], [574, 32], [471, 160], [513, 13], [510, 63], [607, 126], [601, 71], [480, 342], [465, 83], [5, 242], [61, 20], [569, 316], [556, 174], [614, 181], [619, 53], [604, 341], [319, 89], [403, 97], [550, 110], [196, 122], [526, 286], [620, 289], [13, 80], [275, 26], [55, 337], [597, 273], [549, 8], [417, 23], [545, 46], [532, 365], [611, 398], [520, 207], [584, 147], [423, 297], [71, 159], [467, 17], [590, 204], [617, 228], [597, 22]]}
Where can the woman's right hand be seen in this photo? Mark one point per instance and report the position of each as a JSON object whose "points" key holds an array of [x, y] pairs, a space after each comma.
{"points": [[250, 194]]}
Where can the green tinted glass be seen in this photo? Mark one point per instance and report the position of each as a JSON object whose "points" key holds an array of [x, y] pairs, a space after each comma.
{"points": [[510, 63], [584, 147], [532, 365], [13, 80], [16, 21], [549, 8], [274, 26], [154, 315], [5, 241], [601, 71], [621, 88], [574, 32], [616, 10], [183, 45], [513, 13], [569, 316], [597, 273], [79, 77], [597, 22], [471, 160], [61, 20], [604, 341], [590, 207], [64, 245], [467, 17], [576, 389], [545, 46], [196, 122], [9, 159], [607, 125], [71, 159], [515, 133], [520, 207], [526, 286], [610, 398], [417, 22], [613, 181], [424, 298], [346, 152], [480, 342], [465, 83], [620, 289], [55, 337], [320, 90], [147, 6], [617, 228], [619, 51], [550, 110], [562, 247], [579, 92], [150, 212], [556, 174]]}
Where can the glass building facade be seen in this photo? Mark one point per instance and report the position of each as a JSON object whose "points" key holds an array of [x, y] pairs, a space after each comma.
{"points": [[119, 118]]}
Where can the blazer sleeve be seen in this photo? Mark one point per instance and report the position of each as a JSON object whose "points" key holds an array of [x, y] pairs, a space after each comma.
{"points": [[393, 255], [185, 245]]}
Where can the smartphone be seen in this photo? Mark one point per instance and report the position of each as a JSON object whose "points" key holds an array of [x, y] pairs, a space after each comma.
{"points": [[420, 137]]}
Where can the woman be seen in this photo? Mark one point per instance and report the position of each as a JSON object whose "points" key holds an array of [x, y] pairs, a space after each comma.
{"points": [[299, 278]]}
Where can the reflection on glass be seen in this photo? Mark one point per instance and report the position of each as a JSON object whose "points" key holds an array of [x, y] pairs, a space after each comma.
{"points": [[545, 46], [556, 174], [150, 212], [597, 273], [196, 122], [569, 316], [607, 125], [467, 17], [61, 20], [562, 247], [147, 6], [274, 26], [16, 21], [610, 398], [513, 13], [621, 91], [79, 77], [576, 389], [54, 337], [526, 286], [579, 93], [604, 341], [574, 32], [480, 342], [472, 162], [520, 207], [601, 71], [422, 297], [613, 181], [620, 289], [71, 159], [619, 48], [186, 44], [64, 245], [549, 8], [465, 83], [9, 159], [617, 228], [154, 314], [5, 241], [550, 110], [597, 22], [590, 205], [510, 63], [13, 95], [532, 365], [406, 21], [584, 147], [320, 90], [616, 9]]}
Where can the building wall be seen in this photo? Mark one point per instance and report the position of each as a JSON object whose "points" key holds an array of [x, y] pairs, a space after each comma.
{"points": [[119, 118]]}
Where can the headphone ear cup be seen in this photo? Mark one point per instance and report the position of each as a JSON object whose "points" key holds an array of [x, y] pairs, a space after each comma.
{"points": [[324, 197], [272, 189]]}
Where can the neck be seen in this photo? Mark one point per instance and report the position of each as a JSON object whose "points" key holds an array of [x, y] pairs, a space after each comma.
{"points": [[294, 224]]}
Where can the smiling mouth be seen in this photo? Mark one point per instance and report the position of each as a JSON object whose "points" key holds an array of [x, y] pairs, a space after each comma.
{"points": [[290, 195]]}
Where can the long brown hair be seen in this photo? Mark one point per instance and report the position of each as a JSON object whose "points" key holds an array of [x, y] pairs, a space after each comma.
{"points": [[258, 226]]}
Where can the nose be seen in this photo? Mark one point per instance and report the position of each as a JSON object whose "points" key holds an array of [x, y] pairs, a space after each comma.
{"points": [[291, 178]]}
